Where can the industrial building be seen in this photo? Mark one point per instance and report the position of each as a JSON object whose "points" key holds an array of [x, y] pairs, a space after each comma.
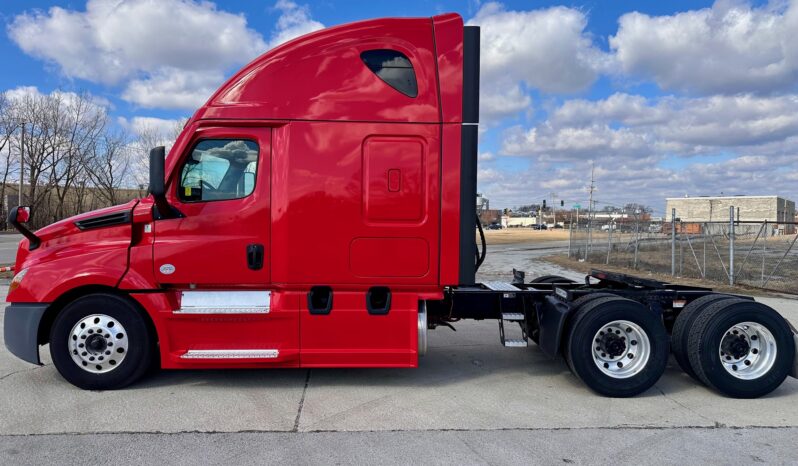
{"points": [[774, 209]]}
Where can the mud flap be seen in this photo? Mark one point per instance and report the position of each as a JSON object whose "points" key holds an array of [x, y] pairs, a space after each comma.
{"points": [[552, 314]]}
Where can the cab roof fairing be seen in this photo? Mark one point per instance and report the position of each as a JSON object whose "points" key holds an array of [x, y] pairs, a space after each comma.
{"points": [[320, 76]]}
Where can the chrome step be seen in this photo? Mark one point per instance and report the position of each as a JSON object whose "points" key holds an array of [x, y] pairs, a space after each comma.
{"points": [[517, 318], [500, 286], [231, 354], [516, 343]]}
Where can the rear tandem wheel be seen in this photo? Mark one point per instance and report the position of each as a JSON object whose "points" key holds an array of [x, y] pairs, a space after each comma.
{"points": [[616, 346]]}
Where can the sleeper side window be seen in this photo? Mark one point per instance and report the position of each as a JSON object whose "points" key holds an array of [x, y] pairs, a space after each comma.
{"points": [[219, 169], [394, 68]]}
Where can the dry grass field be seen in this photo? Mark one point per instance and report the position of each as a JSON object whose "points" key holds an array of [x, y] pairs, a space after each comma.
{"points": [[523, 235]]}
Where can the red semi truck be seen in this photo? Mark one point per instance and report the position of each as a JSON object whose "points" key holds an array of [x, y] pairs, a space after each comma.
{"points": [[318, 211]]}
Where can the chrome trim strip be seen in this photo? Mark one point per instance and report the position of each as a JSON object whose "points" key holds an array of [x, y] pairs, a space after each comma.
{"points": [[224, 302], [231, 354]]}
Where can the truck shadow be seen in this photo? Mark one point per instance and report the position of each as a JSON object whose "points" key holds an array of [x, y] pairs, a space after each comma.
{"points": [[443, 368]]}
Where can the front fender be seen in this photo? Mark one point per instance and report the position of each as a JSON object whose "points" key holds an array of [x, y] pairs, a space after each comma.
{"points": [[46, 280]]}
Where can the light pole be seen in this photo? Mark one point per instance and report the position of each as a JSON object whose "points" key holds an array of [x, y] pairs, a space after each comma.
{"points": [[21, 164]]}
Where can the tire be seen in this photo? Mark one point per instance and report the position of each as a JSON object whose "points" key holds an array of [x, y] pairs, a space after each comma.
{"points": [[681, 328], [101, 342], [760, 329], [547, 279], [621, 375]]}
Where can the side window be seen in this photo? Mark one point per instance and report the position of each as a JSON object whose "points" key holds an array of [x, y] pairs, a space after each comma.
{"points": [[219, 169], [394, 68]]}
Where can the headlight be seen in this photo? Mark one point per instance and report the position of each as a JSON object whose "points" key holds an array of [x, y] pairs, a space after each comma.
{"points": [[17, 280]]}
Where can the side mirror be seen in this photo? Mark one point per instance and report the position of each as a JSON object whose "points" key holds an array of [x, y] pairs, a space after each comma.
{"points": [[158, 185], [23, 214], [157, 162], [16, 217]]}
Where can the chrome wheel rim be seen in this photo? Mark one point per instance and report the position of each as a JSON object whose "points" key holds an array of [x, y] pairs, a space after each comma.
{"points": [[621, 349], [747, 350], [98, 343]]}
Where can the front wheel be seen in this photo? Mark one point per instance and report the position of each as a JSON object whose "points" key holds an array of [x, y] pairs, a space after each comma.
{"points": [[101, 342], [617, 347]]}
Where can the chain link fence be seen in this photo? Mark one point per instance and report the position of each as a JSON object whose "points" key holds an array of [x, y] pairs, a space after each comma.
{"points": [[759, 254]]}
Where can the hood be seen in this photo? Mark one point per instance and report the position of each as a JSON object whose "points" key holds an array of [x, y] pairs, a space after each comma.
{"points": [[107, 216], [101, 225]]}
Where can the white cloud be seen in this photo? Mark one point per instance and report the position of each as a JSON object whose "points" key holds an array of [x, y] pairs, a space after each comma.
{"points": [[729, 48], [111, 41], [159, 128], [495, 104], [173, 88], [165, 53], [294, 21], [547, 49], [632, 126]]}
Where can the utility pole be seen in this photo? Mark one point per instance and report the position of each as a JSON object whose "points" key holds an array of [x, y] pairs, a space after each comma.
{"points": [[554, 207], [590, 209]]}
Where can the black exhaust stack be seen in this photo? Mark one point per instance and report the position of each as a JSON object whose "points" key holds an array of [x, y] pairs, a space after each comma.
{"points": [[468, 155]]}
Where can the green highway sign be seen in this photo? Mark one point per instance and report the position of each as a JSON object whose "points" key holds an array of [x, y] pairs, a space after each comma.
{"points": [[576, 206]]}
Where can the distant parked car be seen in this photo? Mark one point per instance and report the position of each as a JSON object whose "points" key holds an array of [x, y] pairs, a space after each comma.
{"points": [[494, 226], [538, 227], [607, 227]]}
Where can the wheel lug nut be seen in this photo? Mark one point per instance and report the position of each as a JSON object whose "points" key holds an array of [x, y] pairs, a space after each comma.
{"points": [[620, 364], [630, 356], [747, 362], [603, 355], [755, 351], [606, 365], [634, 342], [728, 358], [628, 329], [734, 367], [754, 337]]}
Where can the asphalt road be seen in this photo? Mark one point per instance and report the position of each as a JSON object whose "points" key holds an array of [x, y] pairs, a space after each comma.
{"points": [[471, 401], [8, 248]]}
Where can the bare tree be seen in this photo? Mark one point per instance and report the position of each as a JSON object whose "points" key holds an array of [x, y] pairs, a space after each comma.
{"points": [[109, 165], [148, 137], [9, 126]]}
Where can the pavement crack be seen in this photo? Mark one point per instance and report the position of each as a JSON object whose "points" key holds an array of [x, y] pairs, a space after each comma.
{"points": [[669, 398], [30, 369], [301, 403]]}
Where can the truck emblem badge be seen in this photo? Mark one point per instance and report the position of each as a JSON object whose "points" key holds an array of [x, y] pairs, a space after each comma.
{"points": [[167, 269]]}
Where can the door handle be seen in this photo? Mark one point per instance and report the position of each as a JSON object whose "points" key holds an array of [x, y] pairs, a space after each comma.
{"points": [[255, 256]]}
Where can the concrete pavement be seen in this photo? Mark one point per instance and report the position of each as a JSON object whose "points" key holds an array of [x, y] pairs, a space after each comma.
{"points": [[470, 401]]}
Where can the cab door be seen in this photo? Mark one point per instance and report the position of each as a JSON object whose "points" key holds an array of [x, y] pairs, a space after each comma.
{"points": [[214, 257], [221, 189]]}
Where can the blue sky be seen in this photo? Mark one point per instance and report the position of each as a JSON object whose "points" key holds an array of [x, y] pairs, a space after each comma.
{"points": [[663, 98]]}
